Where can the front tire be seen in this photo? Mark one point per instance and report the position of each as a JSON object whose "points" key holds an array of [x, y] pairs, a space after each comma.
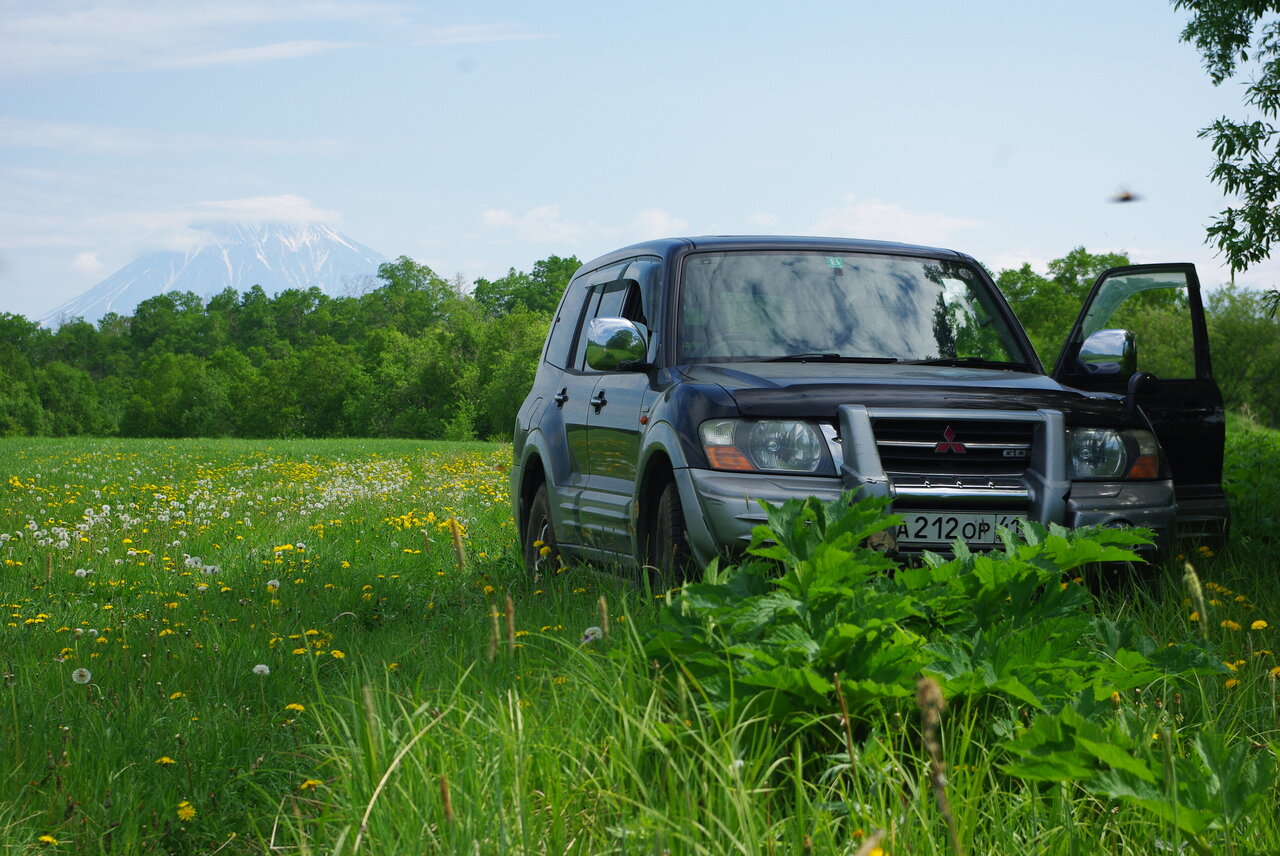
{"points": [[668, 559], [539, 545]]}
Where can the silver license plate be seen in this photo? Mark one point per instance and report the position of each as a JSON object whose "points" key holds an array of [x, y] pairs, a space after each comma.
{"points": [[943, 527]]}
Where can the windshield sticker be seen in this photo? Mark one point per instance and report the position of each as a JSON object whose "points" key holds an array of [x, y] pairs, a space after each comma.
{"points": [[835, 262]]}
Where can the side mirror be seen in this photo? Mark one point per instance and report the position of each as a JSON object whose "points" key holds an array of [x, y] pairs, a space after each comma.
{"points": [[1108, 353], [616, 343]]}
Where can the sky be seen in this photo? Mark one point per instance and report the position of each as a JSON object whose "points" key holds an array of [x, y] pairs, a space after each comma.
{"points": [[479, 136]]}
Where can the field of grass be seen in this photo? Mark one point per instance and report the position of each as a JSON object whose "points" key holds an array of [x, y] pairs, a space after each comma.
{"points": [[330, 647]]}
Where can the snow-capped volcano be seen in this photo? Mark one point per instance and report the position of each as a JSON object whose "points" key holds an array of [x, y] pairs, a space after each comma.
{"points": [[276, 256]]}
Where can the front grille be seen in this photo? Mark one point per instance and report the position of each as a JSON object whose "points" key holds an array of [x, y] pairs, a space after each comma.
{"points": [[960, 447]]}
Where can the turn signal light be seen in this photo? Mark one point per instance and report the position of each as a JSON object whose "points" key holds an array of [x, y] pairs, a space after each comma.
{"points": [[1146, 467], [728, 458]]}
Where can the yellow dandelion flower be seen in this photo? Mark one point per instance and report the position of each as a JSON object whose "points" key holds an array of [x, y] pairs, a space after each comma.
{"points": [[186, 810], [336, 654], [1258, 625], [1232, 683], [1195, 616], [47, 839], [165, 759], [1229, 624], [178, 694], [309, 785], [294, 706], [1274, 673]]}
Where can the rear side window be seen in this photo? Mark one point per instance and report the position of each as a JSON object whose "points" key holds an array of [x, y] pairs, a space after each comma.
{"points": [[578, 297], [560, 340]]}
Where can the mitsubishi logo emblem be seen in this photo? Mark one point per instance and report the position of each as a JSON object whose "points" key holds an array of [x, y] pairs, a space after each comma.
{"points": [[949, 443]]}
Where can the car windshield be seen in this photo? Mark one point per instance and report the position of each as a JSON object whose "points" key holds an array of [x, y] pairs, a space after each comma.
{"points": [[813, 305]]}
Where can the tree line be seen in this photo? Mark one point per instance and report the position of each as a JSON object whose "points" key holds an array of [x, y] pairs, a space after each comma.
{"points": [[416, 356], [411, 357]]}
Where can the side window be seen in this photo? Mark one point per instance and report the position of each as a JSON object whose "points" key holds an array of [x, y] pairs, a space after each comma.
{"points": [[565, 326], [1153, 306], [600, 302]]}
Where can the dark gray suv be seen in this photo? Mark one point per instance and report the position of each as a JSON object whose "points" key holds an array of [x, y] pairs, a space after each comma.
{"points": [[685, 380]]}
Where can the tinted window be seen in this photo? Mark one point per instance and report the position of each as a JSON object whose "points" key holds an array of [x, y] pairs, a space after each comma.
{"points": [[560, 340]]}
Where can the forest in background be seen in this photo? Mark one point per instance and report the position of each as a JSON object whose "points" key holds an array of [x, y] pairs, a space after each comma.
{"points": [[416, 356]]}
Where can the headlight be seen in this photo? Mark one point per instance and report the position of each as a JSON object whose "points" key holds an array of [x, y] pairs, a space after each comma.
{"points": [[771, 444], [1105, 453]]}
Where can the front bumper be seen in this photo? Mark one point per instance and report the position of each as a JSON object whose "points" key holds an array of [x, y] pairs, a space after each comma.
{"points": [[722, 508]]}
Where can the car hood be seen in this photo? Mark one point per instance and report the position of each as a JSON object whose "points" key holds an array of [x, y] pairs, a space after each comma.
{"points": [[816, 389]]}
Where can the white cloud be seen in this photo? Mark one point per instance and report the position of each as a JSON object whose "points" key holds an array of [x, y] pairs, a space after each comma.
{"points": [[89, 265], [887, 221], [260, 53], [286, 207], [107, 139], [51, 36], [543, 224], [479, 34], [655, 223]]}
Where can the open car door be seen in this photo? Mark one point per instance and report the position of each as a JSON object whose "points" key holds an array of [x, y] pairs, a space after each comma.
{"points": [[1142, 333]]}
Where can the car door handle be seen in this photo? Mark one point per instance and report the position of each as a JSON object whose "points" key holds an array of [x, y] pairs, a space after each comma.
{"points": [[598, 400], [561, 397]]}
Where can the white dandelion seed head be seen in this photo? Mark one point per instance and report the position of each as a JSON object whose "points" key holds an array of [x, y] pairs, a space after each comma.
{"points": [[273, 584], [592, 634], [82, 676], [83, 572], [202, 588], [262, 669], [299, 546], [92, 632]]}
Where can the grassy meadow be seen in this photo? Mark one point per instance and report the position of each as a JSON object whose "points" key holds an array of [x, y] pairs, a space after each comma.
{"points": [[331, 647]]}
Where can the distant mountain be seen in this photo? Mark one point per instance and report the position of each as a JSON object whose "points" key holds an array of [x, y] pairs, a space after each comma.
{"points": [[276, 256]]}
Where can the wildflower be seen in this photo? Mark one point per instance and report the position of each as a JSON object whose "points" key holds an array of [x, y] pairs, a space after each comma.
{"points": [[1229, 624], [186, 810], [82, 572], [272, 585], [592, 634], [82, 676], [165, 759], [294, 706], [262, 669], [1195, 616], [309, 785], [1232, 683], [1258, 625], [336, 654], [177, 695], [1274, 673], [47, 839]]}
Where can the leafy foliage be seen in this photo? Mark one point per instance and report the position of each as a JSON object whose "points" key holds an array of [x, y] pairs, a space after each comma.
{"points": [[1236, 37], [818, 622], [1001, 624]]}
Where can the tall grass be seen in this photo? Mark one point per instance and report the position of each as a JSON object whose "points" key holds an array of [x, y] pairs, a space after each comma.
{"points": [[392, 719]]}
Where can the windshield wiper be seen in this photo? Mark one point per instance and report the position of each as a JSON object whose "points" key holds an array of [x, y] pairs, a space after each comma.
{"points": [[828, 357], [969, 361]]}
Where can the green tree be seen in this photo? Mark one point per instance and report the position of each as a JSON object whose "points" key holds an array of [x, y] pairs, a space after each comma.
{"points": [[1047, 305], [1241, 37], [537, 291]]}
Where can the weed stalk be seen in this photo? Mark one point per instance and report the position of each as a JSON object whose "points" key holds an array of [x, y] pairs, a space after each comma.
{"points": [[931, 703]]}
